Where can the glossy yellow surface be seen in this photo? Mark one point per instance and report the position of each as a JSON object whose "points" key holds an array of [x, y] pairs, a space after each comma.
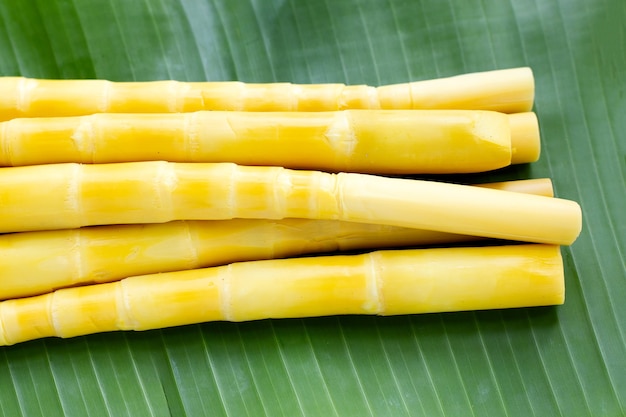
{"points": [[73, 195], [455, 279], [525, 138], [508, 91], [460, 209], [384, 282], [367, 141]]}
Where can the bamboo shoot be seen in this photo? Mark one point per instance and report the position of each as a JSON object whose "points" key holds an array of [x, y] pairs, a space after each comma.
{"points": [[508, 91], [65, 196], [366, 141]]}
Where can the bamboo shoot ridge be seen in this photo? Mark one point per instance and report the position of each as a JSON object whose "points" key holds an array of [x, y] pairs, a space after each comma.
{"points": [[155, 192], [367, 141], [39, 262], [508, 91], [383, 283]]}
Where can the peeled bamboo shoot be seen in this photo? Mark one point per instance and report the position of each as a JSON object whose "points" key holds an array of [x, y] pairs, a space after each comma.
{"points": [[39, 262], [508, 91], [383, 283], [65, 196], [537, 186], [366, 141]]}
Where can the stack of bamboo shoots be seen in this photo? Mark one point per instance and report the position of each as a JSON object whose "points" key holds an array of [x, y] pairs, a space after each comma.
{"points": [[153, 204]]}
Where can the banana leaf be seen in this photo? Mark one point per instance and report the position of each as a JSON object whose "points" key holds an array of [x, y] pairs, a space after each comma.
{"points": [[568, 360]]}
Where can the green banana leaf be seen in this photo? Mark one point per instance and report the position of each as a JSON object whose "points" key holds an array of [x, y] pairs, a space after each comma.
{"points": [[568, 360]]}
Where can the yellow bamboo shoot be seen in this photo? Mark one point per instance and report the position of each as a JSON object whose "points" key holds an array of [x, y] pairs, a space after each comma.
{"points": [[366, 141], [40, 262], [64, 196], [384, 283], [508, 91], [537, 186]]}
